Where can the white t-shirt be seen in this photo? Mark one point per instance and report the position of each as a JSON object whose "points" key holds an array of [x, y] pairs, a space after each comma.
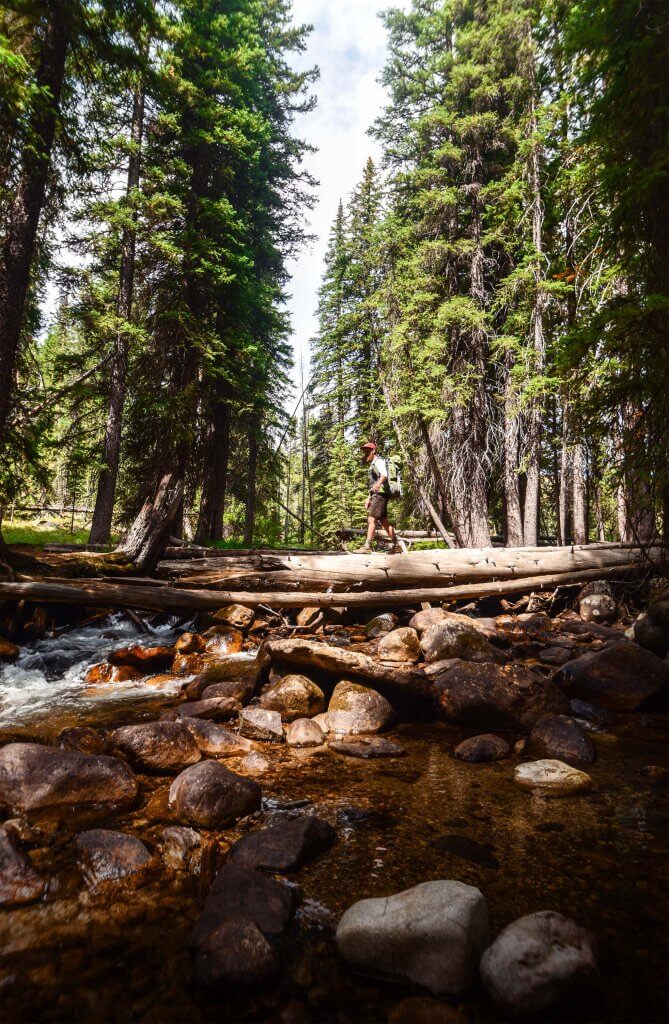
{"points": [[377, 469]]}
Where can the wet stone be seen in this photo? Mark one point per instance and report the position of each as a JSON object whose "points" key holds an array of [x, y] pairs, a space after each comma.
{"points": [[190, 643], [242, 893], [83, 739], [254, 763], [106, 673], [551, 778], [500, 697], [561, 737], [367, 747], [555, 656], [537, 962], [158, 746], [294, 696], [8, 650], [235, 615], [107, 856], [19, 881], [482, 749], [215, 741], [147, 659], [216, 709], [261, 724], [622, 677], [221, 640], [235, 689], [284, 847], [208, 795], [235, 954], [178, 845]]}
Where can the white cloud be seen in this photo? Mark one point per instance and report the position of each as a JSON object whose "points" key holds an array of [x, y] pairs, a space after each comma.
{"points": [[348, 43]]}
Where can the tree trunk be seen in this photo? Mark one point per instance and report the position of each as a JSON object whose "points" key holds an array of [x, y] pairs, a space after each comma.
{"points": [[512, 507], [24, 212], [250, 516], [215, 475], [580, 521], [148, 536], [106, 493]]}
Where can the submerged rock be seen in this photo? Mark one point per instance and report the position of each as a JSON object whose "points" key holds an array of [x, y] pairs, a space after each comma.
{"points": [[367, 747], [254, 763], [537, 962], [432, 935], [623, 677], [355, 709], [241, 893], [19, 881], [560, 737], [304, 732], [482, 749], [107, 856], [551, 778], [158, 746], [400, 645], [500, 697], [215, 741], [294, 696], [235, 954], [261, 724], [284, 847], [210, 796], [178, 846], [49, 782]]}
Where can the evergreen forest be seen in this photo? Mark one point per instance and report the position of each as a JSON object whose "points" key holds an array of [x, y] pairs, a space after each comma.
{"points": [[493, 306]]}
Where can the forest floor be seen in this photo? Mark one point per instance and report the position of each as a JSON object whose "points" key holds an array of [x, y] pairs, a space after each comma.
{"points": [[309, 793]]}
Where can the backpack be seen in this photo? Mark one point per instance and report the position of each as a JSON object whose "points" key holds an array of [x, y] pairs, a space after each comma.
{"points": [[394, 478]]}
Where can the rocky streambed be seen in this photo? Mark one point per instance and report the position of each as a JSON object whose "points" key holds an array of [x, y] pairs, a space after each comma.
{"points": [[422, 817]]}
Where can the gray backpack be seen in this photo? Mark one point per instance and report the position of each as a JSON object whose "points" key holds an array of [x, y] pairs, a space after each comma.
{"points": [[394, 478]]}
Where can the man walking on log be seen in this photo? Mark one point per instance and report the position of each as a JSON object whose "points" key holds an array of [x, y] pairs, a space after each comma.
{"points": [[377, 502]]}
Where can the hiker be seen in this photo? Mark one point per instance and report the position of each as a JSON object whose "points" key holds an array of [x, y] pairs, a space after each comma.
{"points": [[377, 502]]}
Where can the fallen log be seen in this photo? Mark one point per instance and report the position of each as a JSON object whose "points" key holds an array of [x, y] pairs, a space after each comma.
{"points": [[393, 680], [166, 598]]}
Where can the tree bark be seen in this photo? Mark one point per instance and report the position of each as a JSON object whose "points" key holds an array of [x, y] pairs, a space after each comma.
{"points": [[215, 475], [148, 536], [512, 507], [580, 517], [250, 515], [106, 492], [18, 249]]}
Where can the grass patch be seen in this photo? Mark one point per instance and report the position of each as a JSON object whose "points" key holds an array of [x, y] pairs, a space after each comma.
{"points": [[37, 534]]}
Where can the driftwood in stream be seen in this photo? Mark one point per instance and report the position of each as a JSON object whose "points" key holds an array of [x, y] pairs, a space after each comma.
{"points": [[147, 538], [320, 658], [172, 599]]}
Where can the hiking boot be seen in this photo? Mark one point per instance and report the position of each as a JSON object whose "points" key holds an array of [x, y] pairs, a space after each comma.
{"points": [[364, 550]]}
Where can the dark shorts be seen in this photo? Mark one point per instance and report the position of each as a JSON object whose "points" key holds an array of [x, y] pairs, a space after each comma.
{"points": [[378, 506]]}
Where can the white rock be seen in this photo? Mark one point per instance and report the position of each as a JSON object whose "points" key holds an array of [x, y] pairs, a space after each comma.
{"points": [[537, 961], [551, 778], [432, 935], [304, 732]]}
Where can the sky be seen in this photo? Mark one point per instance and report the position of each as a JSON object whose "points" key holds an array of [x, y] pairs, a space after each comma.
{"points": [[348, 43]]}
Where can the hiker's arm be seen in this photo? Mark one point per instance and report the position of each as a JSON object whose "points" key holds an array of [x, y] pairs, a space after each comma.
{"points": [[378, 484]]}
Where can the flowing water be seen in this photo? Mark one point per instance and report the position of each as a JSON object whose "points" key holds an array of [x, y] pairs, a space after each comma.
{"points": [[121, 955]]}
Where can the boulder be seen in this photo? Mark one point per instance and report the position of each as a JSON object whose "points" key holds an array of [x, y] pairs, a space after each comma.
{"points": [[427, 617], [236, 689], [215, 741], [293, 697], [455, 638], [8, 650], [215, 671], [399, 645], [19, 881], [158, 746], [355, 709], [49, 782], [304, 732], [597, 718], [367, 747], [261, 724], [623, 677], [380, 625], [538, 961], [499, 697], [284, 847], [83, 739], [482, 749], [651, 628], [562, 738], [222, 640], [322, 722], [106, 856], [241, 893], [431, 935], [190, 643], [188, 664], [597, 608], [210, 796], [103, 672], [178, 846], [235, 954], [550, 778], [216, 709], [147, 659], [555, 656], [235, 615]]}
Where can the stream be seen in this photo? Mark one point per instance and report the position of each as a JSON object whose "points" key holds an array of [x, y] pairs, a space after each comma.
{"points": [[121, 955]]}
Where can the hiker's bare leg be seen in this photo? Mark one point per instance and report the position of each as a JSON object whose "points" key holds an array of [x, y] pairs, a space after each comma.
{"points": [[390, 530], [371, 530]]}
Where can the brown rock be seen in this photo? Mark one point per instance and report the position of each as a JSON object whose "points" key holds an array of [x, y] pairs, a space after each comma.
{"points": [[555, 656], [235, 615], [307, 616], [651, 629], [19, 881], [500, 697], [145, 658], [178, 847], [284, 847], [49, 782], [399, 645], [356, 709], [427, 617], [217, 709], [597, 608], [158, 746], [235, 689], [8, 650], [560, 737], [235, 954], [210, 796], [188, 664], [261, 724], [106, 673], [240, 893], [367, 747], [622, 677], [222, 640], [294, 696], [482, 749], [304, 732], [106, 856], [84, 740], [455, 638], [215, 741], [190, 643], [380, 625], [424, 1010]]}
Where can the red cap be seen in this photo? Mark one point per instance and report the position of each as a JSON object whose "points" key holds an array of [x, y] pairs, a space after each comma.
{"points": [[369, 446]]}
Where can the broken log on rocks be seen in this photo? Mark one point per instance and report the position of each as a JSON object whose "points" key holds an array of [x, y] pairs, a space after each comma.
{"points": [[97, 593], [147, 538], [312, 656]]}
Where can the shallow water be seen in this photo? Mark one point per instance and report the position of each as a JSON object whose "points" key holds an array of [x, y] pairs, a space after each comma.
{"points": [[599, 857]]}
